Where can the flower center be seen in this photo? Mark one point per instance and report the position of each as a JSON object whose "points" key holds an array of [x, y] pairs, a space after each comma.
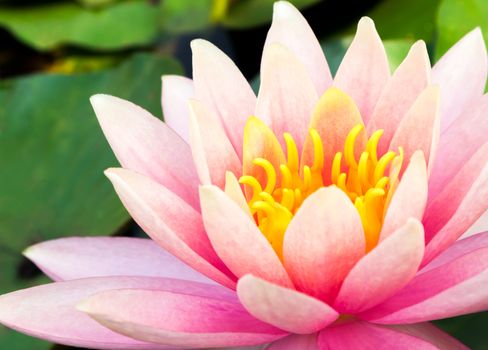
{"points": [[368, 180]]}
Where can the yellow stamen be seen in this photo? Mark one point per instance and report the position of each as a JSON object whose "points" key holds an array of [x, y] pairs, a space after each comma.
{"points": [[270, 173]]}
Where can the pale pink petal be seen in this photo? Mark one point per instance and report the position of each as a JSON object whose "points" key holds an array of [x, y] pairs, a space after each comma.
{"points": [[356, 334], [49, 311], [461, 75], [145, 144], [291, 29], [419, 129], [212, 151], [480, 225], [295, 341], [399, 94], [364, 70], [82, 257], [410, 196], [287, 95], [234, 191], [323, 242], [458, 206], [237, 239], [454, 286], [168, 220], [277, 306], [384, 271], [177, 90], [197, 317], [221, 86], [458, 144]]}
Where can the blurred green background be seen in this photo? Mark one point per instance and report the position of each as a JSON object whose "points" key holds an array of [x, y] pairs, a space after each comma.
{"points": [[55, 54]]}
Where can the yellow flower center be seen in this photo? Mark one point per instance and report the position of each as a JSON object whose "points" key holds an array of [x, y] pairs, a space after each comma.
{"points": [[368, 180]]}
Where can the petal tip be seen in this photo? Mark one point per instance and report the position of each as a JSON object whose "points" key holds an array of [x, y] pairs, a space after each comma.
{"points": [[283, 10]]}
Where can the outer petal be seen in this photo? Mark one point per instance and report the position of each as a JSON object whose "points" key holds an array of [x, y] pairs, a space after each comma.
{"points": [[354, 335], [401, 91], [419, 129], [294, 341], [384, 271], [212, 151], [222, 87], [287, 95], [364, 70], [76, 257], [410, 196], [170, 222], [323, 242], [49, 312], [197, 317], [237, 240], [453, 286], [144, 144], [291, 29], [277, 305], [177, 91], [461, 75]]}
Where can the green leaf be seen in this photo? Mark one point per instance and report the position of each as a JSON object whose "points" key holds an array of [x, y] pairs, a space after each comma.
{"points": [[119, 26], [456, 18], [185, 16], [250, 13], [53, 154]]}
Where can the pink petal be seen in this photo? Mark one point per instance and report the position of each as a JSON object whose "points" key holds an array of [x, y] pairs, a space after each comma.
{"points": [[168, 220], [237, 239], [212, 151], [291, 29], [479, 226], [221, 86], [461, 75], [364, 70], [410, 196], [177, 91], [287, 95], [76, 257], [277, 306], [295, 341], [458, 206], [419, 129], [454, 286], [49, 312], [399, 94], [384, 271], [197, 317], [356, 334], [144, 144], [234, 191], [323, 242]]}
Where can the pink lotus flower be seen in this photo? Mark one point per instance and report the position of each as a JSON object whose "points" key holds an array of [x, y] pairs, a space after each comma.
{"points": [[343, 233]]}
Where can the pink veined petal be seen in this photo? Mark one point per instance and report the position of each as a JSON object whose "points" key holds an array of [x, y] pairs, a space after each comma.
{"points": [[455, 285], [82, 257], [291, 29], [323, 242], [458, 206], [461, 74], [168, 220], [145, 144], [177, 90], [277, 306], [49, 311], [410, 196], [221, 86], [419, 129], [384, 271], [355, 334], [212, 151], [364, 70], [237, 239], [287, 95], [198, 317], [399, 94], [295, 341]]}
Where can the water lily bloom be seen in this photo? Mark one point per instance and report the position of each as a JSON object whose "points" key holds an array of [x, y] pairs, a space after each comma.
{"points": [[325, 213]]}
